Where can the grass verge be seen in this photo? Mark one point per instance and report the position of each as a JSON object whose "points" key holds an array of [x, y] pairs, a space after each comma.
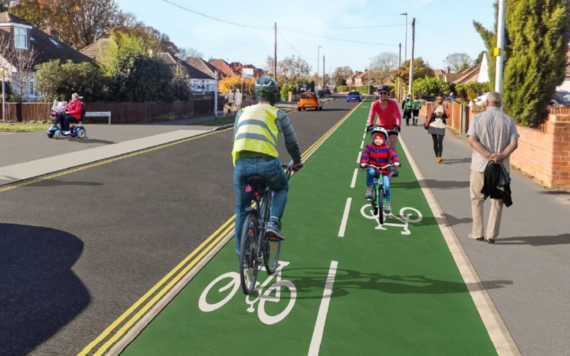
{"points": [[10, 127]]}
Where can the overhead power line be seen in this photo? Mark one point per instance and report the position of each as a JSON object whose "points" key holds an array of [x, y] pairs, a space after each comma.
{"points": [[290, 45], [339, 28], [216, 19], [344, 40]]}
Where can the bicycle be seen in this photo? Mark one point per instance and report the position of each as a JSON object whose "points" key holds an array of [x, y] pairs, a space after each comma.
{"points": [[378, 198], [255, 245]]}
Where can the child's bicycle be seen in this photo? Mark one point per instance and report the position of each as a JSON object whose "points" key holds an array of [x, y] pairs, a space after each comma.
{"points": [[254, 244], [378, 198]]}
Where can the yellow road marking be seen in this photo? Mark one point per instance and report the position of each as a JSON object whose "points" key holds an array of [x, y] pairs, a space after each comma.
{"points": [[169, 286], [107, 331]]}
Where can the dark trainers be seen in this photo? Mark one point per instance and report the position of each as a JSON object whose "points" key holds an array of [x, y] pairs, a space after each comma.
{"points": [[273, 231], [387, 208]]}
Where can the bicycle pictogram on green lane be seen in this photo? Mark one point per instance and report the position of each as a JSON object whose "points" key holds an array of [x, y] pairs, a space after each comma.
{"points": [[343, 286]]}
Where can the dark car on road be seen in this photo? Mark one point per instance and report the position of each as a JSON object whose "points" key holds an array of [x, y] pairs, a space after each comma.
{"points": [[353, 95]]}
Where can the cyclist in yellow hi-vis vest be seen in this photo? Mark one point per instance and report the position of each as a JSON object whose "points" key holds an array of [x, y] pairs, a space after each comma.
{"points": [[255, 153]]}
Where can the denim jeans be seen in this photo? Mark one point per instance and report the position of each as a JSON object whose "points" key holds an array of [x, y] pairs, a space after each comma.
{"points": [[275, 179], [385, 180]]}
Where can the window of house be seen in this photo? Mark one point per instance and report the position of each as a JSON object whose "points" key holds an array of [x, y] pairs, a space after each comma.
{"points": [[20, 38], [32, 86]]}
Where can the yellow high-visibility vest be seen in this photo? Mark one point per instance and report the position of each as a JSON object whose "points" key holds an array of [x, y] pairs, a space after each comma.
{"points": [[256, 131]]}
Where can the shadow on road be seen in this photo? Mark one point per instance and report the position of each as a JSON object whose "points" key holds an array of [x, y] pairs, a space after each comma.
{"points": [[455, 221], [39, 293], [310, 283], [57, 183], [432, 183], [92, 140], [456, 160], [561, 239]]}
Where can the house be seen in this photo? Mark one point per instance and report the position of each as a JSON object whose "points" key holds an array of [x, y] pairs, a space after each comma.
{"points": [[351, 80], [29, 40], [200, 81], [361, 78], [477, 73], [237, 67], [224, 69]]}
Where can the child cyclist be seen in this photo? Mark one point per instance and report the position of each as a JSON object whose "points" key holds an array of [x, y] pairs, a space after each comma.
{"points": [[379, 154]]}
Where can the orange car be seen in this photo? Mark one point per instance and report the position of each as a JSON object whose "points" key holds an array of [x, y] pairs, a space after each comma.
{"points": [[309, 100]]}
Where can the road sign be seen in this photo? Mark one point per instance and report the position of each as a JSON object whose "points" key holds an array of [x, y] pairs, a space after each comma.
{"points": [[247, 72]]}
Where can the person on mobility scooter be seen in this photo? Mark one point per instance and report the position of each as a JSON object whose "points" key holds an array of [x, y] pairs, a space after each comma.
{"points": [[73, 112]]}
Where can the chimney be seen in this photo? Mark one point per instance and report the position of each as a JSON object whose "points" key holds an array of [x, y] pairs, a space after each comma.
{"points": [[51, 32], [447, 70]]}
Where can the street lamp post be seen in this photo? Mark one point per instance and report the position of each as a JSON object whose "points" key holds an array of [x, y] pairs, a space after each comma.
{"points": [[500, 47], [369, 63], [318, 57], [406, 44]]}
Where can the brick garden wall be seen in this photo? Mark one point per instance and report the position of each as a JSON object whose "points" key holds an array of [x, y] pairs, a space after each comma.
{"points": [[543, 153]]}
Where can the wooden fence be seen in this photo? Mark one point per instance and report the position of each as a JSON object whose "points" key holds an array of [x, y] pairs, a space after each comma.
{"points": [[122, 112]]}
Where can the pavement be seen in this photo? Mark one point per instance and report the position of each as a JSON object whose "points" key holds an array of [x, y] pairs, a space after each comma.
{"points": [[530, 259]]}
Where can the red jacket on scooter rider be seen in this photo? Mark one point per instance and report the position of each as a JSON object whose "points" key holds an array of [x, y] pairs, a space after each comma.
{"points": [[74, 108]]}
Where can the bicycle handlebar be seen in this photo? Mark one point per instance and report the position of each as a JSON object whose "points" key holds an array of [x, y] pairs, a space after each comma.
{"points": [[373, 166]]}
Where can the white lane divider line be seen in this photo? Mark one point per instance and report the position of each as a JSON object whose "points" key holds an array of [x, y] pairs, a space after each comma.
{"points": [[362, 145], [323, 311], [344, 218], [364, 136], [353, 183], [358, 159]]}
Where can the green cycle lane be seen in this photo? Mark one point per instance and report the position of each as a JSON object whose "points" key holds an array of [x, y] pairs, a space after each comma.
{"points": [[342, 288]]}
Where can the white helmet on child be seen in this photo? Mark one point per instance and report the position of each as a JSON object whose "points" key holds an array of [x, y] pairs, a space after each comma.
{"points": [[380, 130]]}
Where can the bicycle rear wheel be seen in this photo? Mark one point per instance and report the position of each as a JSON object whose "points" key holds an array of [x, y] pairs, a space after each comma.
{"points": [[248, 262], [380, 205]]}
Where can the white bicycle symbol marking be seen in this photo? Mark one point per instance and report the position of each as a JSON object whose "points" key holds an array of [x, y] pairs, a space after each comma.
{"points": [[262, 296], [404, 217]]}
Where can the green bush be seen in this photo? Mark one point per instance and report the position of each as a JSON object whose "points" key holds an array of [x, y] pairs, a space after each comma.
{"points": [[430, 86], [55, 81], [474, 88], [285, 89], [342, 88]]}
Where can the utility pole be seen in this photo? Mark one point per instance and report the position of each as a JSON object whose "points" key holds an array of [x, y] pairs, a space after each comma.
{"points": [[500, 47], [399, 65], [215, 95], [369, 62], [324, 74], [275, 55], [406, 44], [412, 58], [318, 57]]}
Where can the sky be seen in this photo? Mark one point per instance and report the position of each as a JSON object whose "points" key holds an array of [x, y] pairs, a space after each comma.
{"points": [[350, 32]]}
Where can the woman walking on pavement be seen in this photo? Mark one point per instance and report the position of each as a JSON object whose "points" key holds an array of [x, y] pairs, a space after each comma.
{"points": [[436, 127]]}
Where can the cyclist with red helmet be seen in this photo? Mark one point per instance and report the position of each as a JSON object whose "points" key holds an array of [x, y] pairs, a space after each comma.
{"points": [[389, 118]]}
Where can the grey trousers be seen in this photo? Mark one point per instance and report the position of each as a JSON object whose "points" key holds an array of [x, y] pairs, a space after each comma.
{"points": [[477, 201]]}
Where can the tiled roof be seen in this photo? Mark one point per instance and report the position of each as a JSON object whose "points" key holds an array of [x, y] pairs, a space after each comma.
{"points": [[97, 49], [202, 66], [47, 47], [223, 68], [469, 75]]}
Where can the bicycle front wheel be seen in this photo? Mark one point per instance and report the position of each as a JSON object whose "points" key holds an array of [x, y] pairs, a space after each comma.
{"points": [[248, 262], [380, 205]]}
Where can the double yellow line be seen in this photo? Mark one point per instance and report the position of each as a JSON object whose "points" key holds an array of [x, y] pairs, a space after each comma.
{"points": [[190, 262]]}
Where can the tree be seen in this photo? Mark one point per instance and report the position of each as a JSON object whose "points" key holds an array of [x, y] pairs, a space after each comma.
{"points": [[30, 11], [539, 42], [59, 81], [22, 60], [421, 70], [382, 66], [187, 53], [430, 86], [289, 67], [139, 78], [340, 74], [458, 61], [489, 38], [80, 22]]}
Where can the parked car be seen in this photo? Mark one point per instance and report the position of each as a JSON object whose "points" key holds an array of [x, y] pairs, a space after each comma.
{"points": [[309, 100], [561, 99], [327, 90], [353, 95]]}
